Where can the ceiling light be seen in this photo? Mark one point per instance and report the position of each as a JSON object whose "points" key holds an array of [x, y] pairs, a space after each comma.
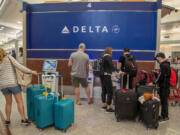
{"points": [[174, 45], [176, 30], [163, 31], [19, 22], [2, 28]]}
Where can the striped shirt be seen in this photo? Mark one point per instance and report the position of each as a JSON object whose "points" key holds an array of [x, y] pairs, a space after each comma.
{"points": [[8, 73]]}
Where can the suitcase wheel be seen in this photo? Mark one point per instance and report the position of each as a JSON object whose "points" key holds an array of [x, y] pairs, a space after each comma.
{"points": [[156, 127]]}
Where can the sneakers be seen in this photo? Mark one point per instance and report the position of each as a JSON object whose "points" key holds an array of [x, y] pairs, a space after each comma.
{"points": [[109, 110], [161, 119], [166, 119], [104, 107], [25, 122], [7, 123]]}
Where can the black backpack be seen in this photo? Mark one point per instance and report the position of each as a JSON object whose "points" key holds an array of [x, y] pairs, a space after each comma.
{"points": [[98, 67], [130, 66]]}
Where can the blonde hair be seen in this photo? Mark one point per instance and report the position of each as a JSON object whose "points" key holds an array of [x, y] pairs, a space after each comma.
{"points": [[82, 45], [108, 50], [2, 55]]}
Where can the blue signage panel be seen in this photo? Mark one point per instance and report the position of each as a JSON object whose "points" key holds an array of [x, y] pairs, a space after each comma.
{"points": [[65, 30]]}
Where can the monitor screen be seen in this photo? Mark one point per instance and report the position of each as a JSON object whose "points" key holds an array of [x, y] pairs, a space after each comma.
{"points": [[50, 65]]}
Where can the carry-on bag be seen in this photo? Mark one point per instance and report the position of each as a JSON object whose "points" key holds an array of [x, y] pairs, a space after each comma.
{"points": [[63, 112], [44, 108], [149, 110], [125, 103], [149, 113], [31, 92]]}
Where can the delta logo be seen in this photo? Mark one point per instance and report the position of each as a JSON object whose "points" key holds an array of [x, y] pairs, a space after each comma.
{"points": [[90, 29]]}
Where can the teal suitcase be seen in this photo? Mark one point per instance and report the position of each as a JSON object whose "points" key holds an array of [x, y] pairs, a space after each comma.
{"points": [[44, 107], [32, 91], [64, 114]]}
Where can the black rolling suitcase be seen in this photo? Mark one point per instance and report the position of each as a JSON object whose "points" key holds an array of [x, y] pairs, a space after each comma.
{"points": [[125, 104], [149, 113]]}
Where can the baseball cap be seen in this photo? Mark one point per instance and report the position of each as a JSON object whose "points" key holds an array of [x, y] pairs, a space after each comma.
{"points": [[126, 50], [162, 55]]}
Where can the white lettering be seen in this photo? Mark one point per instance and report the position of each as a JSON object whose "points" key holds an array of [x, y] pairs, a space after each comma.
{"points": [[90, 29], [83, 29], [105, 29], [75, 29], [98, 28]]}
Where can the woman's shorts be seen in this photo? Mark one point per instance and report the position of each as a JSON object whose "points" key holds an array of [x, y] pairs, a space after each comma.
{"points": [[11, 90]]}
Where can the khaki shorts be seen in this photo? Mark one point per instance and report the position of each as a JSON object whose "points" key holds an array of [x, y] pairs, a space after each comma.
{"points": [[76, 81]]}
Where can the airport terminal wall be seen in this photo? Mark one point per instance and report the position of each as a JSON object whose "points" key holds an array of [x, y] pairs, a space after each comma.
{"points": [[54, 31]]}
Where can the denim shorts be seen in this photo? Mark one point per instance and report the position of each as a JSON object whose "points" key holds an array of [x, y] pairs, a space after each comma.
{"points": [[12, 90]]}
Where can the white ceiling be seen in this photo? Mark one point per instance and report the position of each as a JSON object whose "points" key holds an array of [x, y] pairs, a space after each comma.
{"points": [[172, 3]]}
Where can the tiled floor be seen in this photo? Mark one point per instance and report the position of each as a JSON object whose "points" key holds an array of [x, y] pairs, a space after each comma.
{"points": [[91, 120]]}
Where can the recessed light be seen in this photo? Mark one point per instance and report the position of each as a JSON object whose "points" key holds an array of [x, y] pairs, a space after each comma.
{"points": [[163, 31], [19, 22]]}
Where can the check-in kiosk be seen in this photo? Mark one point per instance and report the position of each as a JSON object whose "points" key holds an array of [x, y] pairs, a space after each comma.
{"points": [[49, 69]]}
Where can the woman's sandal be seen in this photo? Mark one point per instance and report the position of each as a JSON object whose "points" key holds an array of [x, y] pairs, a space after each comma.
{"points": [[78, 103]]}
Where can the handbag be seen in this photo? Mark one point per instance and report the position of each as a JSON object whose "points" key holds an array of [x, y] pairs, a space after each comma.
{"points": [[23, 79]]}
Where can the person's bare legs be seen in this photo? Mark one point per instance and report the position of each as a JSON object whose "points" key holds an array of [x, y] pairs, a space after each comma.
{"points": [[20, 106], [77, 91], [8, 106], [88, 95]]}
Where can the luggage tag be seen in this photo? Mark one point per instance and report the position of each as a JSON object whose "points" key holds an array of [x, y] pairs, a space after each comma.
{"points": [[123, 90], [63, 98]]}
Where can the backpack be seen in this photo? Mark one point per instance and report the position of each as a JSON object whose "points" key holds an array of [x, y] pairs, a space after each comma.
{"points": [[98, 68], [130, 66], [173, 78]]}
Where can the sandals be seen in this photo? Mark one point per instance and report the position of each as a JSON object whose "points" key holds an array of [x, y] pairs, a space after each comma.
{"points": [[90, 102], [78, 103]]}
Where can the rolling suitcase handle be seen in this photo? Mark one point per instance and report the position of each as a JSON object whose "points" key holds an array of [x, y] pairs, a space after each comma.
{"points": [[55, 76], [39, 74], [46, 93], [127, 83], [62, 88], [52, 76]]}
